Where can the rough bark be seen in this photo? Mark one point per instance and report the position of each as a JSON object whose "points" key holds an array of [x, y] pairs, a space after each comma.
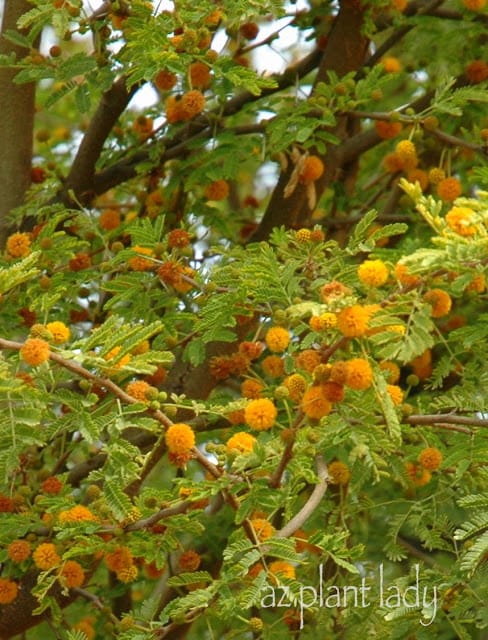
{"points": [[16, 122]]}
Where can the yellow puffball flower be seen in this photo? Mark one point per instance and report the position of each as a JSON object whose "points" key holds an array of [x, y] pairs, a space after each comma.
{"points": [[352, 321], [180, 438], [359, 375], [373, 273], [45, 556], [277, 339], [260, 414], [18, 245], [35, 351], [59, 331], [240, 442]]}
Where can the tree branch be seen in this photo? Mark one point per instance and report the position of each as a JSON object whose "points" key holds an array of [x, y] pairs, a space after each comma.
{"points": [[81, 176]]}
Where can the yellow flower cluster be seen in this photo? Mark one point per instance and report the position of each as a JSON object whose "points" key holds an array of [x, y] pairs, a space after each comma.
{"points": [[373, 273], [339, 472], [8, 590], [430, 458], [79, 513], [359, 375], [460, 220], [59, 331], [277, 339], [323, 322], [440, 301], [314, 404], [180, 438], [35, 351], [352, 321], [260, 414], [241, 442], [18, 245], [45, 556], [72, 574], [262, 528]]}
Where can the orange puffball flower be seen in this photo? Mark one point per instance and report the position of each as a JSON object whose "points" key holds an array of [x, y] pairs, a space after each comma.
{"points": [[8, 590], [19, 550], [314, 404], [333, 391], [391, 64], [449, 189], [45, 556], [407, 154], [180, 438], [109, 219], [189, 560], [86, 626], [395, 393], [422, 365], [192, 103], [373, 273], [477, 71], [79, 513], [359, 375], [165, 80], [339, 472], [277, 339], [18, 245], [112, 355], [52, 486], [417, 474], [262, 528], [460, 219], [430, 458], [352, 321], [392, 163], [138, 389], [138, 262], [273, 366], [440, 301], [118, 559], [323, 322], [35, 351], [260, 414], [217, 190], [404, 277], [59, 331], [240, 442], [392, 371], [312, 169], [252, 389], [178, 238], [72, 574], [80, 261], [199, 73], [420, 176], [386, 129], [474, 5], [251, 350], [333, 290], [174, 274], [281, 568], [307, 359]]}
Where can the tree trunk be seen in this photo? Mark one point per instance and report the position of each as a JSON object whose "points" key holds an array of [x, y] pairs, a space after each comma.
{"points": [[16, 122]]}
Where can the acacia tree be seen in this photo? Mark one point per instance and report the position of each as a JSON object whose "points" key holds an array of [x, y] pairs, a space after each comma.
{"points": [[243, 323]]}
